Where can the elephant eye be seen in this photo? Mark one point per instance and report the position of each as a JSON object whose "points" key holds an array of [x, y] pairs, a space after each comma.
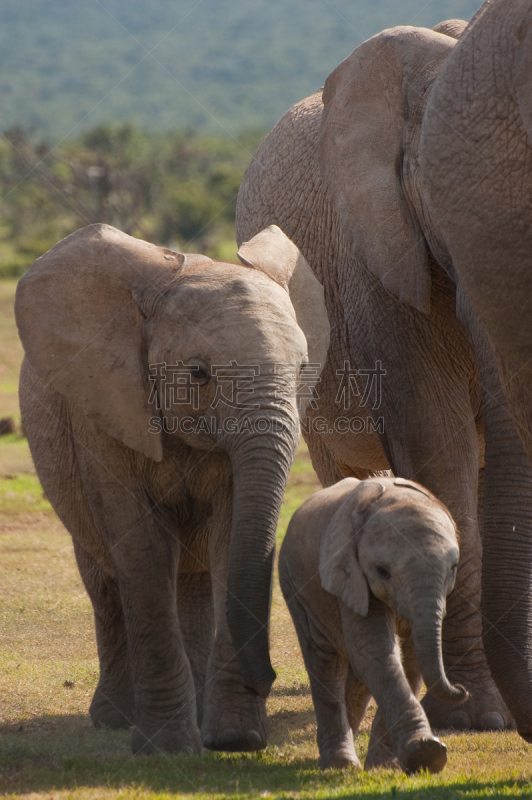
{"points": [[199, 371], [382, 572]]}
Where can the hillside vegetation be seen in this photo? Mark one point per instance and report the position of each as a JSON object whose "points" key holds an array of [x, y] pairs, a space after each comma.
{"points": [[220, 65]]}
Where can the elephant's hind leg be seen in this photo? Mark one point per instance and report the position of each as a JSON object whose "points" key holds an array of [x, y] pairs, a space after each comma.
{"points": [[113, 704], [328, 672], [380, 749], [48, 425], [357, 698]]}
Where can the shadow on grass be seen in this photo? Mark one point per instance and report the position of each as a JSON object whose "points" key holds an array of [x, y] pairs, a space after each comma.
{"points": [[52, 753], [287, 724]]}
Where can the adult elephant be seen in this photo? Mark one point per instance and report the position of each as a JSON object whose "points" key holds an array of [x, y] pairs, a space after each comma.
{"points": [[476, 153], [171, 492], [340, 175]]}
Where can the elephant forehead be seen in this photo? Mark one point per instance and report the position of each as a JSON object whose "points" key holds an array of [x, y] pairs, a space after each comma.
{"points": [[213, 293], [420, 524], [234, 319]]}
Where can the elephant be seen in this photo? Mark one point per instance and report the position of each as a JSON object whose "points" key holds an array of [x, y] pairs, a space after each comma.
{"points": [[340, 174], [476, 157], [365, 569], [168, 476]]}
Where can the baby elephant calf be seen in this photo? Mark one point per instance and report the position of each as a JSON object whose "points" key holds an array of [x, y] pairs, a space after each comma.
{"points": [[365, 569]]}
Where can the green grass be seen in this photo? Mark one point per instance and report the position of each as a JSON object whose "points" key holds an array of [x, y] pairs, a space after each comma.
{"points": [[49, 670], [10, 351]]}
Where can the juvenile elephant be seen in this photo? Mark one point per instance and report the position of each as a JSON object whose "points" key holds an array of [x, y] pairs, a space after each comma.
{"points": [[365, 569], [340, 174], [171, 492]]}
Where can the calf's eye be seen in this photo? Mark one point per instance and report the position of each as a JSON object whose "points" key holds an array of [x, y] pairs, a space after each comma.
{"points": [[200, 371], [382, 572]]}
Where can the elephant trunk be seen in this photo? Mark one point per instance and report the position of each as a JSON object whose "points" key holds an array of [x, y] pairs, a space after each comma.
{"points": [[426, 627], [261, 464]]}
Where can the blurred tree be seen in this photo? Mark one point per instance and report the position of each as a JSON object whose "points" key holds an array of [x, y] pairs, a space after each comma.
{"points": [[175, 189]]}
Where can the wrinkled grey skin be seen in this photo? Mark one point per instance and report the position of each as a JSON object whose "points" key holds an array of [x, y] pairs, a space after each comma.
{"points": [[170, 527], [365, 569], [340, 175], [476, 155]]}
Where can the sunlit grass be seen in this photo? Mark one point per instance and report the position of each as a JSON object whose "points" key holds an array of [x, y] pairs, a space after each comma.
{"points": [[21, 491]]}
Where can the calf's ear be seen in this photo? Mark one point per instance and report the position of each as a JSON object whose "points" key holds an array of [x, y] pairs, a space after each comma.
{"points": [[339, 567]]}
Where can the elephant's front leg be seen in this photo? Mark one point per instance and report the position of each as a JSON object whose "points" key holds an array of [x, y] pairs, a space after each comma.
{"points": [[196, 618], [380, 750], [146, 557], [401, 728], [234, 718]]}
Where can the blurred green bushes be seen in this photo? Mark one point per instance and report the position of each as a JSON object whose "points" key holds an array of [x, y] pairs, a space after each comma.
{"points": [[175, 189]]}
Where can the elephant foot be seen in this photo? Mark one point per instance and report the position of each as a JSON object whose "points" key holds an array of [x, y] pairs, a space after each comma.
{"points": [[380, 754], [338, 754], [235, 723], [430, 754], [339, 759], [484, 710], [233, 741], [112, 710], [150, 739]]}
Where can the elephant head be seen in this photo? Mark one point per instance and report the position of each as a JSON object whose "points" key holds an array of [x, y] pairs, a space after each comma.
{"points": [[101, 309], [392, 538]]}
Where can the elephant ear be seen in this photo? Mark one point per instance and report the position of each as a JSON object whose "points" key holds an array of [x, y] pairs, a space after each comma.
{"points": [[451, 27], [274, 254], [412, 485], [83, 331], [373, 103], [339, 567]]}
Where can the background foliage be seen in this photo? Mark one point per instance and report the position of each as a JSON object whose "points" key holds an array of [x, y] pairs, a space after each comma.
{"points": [[220, 65], [175, 189]]}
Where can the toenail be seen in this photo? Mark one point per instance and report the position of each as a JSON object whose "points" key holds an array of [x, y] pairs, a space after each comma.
{"points": [[254, 737]]}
